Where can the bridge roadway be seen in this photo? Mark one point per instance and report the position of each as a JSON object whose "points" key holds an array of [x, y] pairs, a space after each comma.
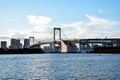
{"points": [[47, 42], [92, 40]]}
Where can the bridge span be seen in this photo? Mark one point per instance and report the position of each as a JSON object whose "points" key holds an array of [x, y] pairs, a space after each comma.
{"points": [[75, 45], [84, 44]]}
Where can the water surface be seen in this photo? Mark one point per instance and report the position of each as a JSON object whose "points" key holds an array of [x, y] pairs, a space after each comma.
{"points": [[60, 67]]}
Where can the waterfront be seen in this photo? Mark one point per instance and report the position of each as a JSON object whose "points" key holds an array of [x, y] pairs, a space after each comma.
{"points": [[60, 67]]}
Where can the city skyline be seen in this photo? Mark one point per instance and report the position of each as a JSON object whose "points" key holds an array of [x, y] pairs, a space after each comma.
{"points": [[77, 18]]}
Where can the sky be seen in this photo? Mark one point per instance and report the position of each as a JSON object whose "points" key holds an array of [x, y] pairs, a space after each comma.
{"points": [[77, 18]]}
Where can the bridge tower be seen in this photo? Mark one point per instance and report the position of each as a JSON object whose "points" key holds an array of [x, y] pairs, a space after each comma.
{"points": [[54, 37]]}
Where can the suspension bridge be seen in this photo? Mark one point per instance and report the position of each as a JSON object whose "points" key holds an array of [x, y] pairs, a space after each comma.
{"points": [[58, 44]]}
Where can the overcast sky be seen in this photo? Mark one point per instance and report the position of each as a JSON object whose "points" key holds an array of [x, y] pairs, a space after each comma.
{"points": [[77, 18]]}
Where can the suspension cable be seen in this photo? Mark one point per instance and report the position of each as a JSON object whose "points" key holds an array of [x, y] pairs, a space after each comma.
{"points": [[47, 38], [64, 35]]}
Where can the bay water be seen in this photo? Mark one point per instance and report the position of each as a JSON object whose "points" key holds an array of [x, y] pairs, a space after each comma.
{"points": [[60, 67]]}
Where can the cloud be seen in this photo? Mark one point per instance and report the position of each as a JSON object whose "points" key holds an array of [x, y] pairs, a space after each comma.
{"points": [[39, 28], [40, 24], [94, 27], [102, 23], [38, 20], [4, 38], [101, 11], [18, 35]]}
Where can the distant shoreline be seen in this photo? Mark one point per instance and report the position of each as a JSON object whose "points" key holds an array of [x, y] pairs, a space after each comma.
{"points": [[21, 51], [98, 50], [110, 50]]}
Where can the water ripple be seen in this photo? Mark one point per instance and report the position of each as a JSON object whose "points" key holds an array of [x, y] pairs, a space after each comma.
{"points": [[60, 67]]}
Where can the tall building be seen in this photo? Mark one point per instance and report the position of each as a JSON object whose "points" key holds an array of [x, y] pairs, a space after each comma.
{"points": [[26, 43], [15, 44], [4, 44]]}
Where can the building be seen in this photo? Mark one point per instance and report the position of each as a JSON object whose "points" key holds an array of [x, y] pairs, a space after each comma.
{"points": [[15, 44], [26, 43], [4, 44]]}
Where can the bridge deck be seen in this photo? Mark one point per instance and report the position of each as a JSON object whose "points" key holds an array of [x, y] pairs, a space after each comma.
{"points": [[95, 40]]}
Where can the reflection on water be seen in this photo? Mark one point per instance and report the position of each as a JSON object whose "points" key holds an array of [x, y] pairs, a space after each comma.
{"points": [[60, 67]]}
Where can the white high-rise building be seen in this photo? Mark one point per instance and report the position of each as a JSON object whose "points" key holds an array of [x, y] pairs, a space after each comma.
{"points": [[4, 44]]}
